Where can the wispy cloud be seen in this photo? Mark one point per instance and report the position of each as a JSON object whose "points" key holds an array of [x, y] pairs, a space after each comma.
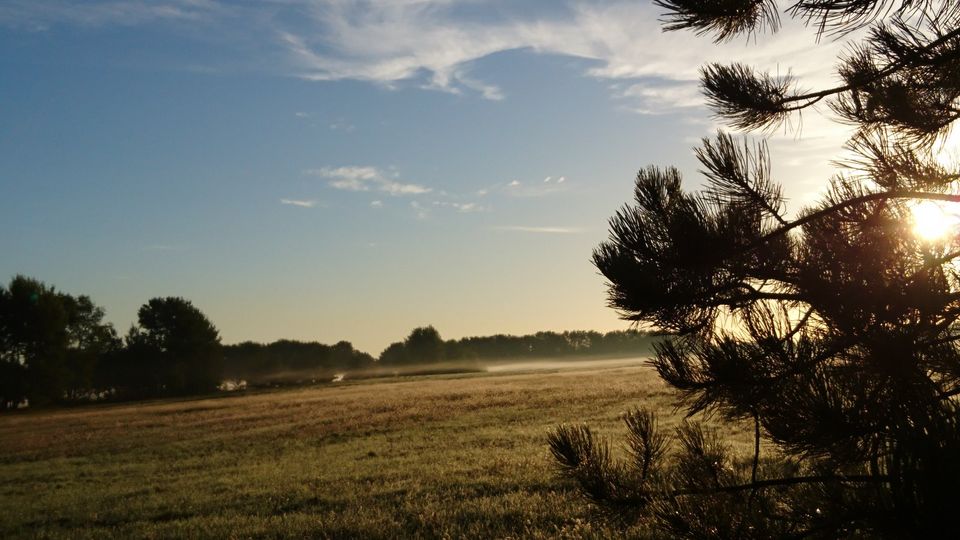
{"points": [[342, 125], [299, 202], [432, 44], [376, 204], [660, 97], [40, 16], [390, 42], [540, 230], [366, 178], [537, 188], [462, 207]]}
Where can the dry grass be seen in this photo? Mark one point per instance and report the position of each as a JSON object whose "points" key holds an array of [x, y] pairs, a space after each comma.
{"points": [[425, 457]]}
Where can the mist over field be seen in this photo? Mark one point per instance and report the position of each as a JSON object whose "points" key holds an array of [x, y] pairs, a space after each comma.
{"points": [[314, 376]]}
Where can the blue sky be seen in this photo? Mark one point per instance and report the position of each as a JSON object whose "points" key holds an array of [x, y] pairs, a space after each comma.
{"points": [[338, 169]]}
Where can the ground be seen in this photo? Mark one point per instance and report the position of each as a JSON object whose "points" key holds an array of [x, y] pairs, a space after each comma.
{"points": [[435, 456]]}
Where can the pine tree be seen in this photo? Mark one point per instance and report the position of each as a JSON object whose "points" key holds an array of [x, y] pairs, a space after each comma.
{"points": [[833, 331]]}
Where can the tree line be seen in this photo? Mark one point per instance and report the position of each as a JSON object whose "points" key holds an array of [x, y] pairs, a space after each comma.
{"points": [[56, 349], [424, 345], [291, 361]]}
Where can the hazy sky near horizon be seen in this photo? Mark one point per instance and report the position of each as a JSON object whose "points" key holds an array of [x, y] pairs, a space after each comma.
{"points": [[334, 169]]}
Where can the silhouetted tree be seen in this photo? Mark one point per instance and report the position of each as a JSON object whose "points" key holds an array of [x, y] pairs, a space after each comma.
{"points": [[342, 355], [50, 343], [834, 332], [32, 340], [394, 355], [175, 350], [34, 329], [89, 342], [13, 384], [424, 344]]}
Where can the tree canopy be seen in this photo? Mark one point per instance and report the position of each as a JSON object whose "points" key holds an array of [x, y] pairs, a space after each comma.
{"points": [[179, 345], [833, 330], [49, 342], [55, 348]]}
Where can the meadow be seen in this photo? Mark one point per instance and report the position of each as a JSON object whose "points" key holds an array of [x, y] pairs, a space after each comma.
{"points": [[455, 455]]}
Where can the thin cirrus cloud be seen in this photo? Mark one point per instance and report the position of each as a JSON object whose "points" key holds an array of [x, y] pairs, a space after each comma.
{"points": [[366, 178], [299, 202], [539, 230], [41, 16], [548, 186], [462, 207], [390, 42], [650, 98], [433, 44]]}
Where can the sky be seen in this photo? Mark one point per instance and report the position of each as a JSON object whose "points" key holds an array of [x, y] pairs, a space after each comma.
{"points": [[335, 169]]}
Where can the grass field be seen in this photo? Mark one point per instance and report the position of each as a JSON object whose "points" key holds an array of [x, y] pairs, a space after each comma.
{"points": [[436, 456]]}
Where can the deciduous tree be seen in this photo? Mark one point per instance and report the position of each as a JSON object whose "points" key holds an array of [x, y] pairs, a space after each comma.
{"points": [[175, 349]]}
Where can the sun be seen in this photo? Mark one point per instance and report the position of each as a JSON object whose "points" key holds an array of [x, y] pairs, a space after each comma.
{"points": [[933, 221]]}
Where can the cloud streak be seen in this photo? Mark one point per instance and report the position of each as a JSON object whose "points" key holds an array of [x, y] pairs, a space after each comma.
{"points": [[366, 178], [539, 230], [298, 202], [542, 188], [462, 207], [40, 16]]}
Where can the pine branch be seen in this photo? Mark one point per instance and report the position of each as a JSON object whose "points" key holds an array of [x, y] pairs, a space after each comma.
{"points": [[727, 18], [905, 61], [895, 165], [949, 394], [881, 196], [757, 295], [740, 174], [843, 17], [755, 101], [782, 482], [756, 448], [644, 441], [943, 341]]}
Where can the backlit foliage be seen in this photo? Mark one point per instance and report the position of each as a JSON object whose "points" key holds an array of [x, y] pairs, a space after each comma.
{"points": [[833, 332]]}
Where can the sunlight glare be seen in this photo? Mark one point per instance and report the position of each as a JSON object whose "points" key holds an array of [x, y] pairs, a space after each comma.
{"points": [[931, 221]]}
